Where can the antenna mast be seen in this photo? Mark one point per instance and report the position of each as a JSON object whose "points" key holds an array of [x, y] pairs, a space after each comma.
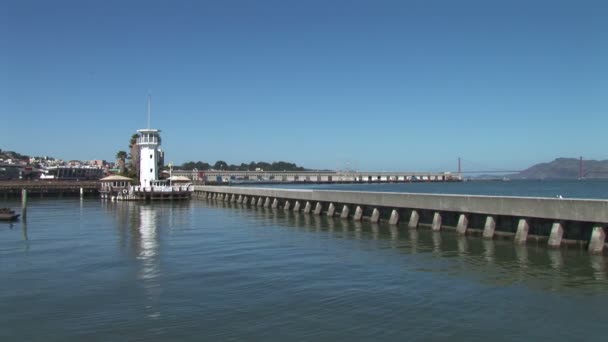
{"points": [[148, 110]]}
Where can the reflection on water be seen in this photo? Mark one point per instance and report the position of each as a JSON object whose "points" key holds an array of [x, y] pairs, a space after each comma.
{"points": [[150, 269], [209, 270], [138, 226], [497, 260]]}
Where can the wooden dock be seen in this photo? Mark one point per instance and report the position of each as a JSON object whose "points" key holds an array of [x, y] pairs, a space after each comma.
{"points": [[44, 188]]}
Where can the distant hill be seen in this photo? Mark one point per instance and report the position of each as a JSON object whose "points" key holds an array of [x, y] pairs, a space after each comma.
{"points": [[565, 168], [6, 155]]}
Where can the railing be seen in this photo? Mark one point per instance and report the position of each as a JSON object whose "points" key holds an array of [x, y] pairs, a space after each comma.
{"points": [[184, 188]]}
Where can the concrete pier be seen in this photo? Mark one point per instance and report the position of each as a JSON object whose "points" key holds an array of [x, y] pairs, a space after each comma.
{"points": [[504, 216]]}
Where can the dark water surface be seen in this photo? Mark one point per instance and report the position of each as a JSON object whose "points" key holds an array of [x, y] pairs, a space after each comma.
{"points": [[214, 271]]}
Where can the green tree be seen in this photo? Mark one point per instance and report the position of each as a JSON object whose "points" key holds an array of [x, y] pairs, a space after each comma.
{"points": [[121, 156], [220, 165], [134, 157]]}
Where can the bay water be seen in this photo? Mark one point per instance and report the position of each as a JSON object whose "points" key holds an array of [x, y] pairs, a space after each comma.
{"points": [[212, 271]]}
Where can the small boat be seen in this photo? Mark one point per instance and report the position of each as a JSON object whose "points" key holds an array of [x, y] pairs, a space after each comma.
{"points": [[7, 214]]}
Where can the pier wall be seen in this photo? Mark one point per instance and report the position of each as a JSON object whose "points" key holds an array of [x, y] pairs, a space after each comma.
{"points": [[556, 222]]}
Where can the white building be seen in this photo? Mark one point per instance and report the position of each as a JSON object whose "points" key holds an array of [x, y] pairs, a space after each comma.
{"points": [[149, 156]]}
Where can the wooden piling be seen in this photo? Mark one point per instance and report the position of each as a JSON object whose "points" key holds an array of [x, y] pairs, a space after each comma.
{"points": [[24, 204]]}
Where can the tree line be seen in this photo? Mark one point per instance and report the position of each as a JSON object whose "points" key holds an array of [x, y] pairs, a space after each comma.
{"points": [[252, 166]]}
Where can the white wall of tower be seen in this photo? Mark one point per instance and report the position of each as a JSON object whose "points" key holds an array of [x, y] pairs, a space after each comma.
{"points": [[148, 165]]}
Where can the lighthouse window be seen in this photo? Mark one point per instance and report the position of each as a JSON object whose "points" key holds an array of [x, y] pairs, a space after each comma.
{"points": [[150, 170], [150, 156]]}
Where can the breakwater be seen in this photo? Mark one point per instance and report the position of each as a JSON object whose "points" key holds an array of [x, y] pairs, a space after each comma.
{"points": [[554, 222], [43, 188]]}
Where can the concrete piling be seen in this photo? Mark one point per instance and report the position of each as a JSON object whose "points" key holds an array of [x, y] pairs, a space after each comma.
{"points": [[318, 209], [394, 217], [358, 213], [275, 204], [345, 211], [375, 216], [521, 235], [436, 226], [253, 201], [267, 202], [307, 207], [597, 241], [331, 210], [296, 207], [414, 218], [287, 205], [489, 227], [260, 201], [557, 232], [463, 223], [81, 192], [233, 198]]}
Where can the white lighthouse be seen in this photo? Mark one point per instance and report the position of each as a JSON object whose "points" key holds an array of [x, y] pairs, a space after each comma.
{"points": [[149, 156], [151, 161]]}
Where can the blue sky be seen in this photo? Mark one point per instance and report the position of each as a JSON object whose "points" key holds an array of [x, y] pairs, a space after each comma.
{"points": [[375, 85]]}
